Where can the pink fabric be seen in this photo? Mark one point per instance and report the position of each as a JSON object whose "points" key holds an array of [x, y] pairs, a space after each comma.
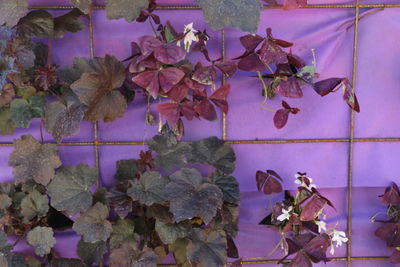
{"points": [[375, 164]]}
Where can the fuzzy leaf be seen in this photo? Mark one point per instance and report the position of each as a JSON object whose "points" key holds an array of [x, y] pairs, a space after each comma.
{"points": [[62, 121], [70, 22], [7, 125], [37, 23], [229, 187], [42, 239], [123, 233], [191, 195], [149, 189], [69, 190], [126, 169], [81, 65], [169, 232], [34, 204], [83, 5], [11, 11], [240, 14], [97, 89], [313, 208], [129, 256], [23, 111], [127, 9], [32, 160], [215, 152], [91, 252], [22, 50], [179, 249], [207, 249], [92, 224]]}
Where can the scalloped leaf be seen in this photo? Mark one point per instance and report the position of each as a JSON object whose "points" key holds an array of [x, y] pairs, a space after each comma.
{"points": [[42, 239], [170, 232], [127, 9], [23, 111], [91, 252], [124, 233], [34, 205], [129, 256], [229, 187], [149, 189]]}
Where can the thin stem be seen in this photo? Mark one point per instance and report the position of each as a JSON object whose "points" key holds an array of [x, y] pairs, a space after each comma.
{"points": [[270, 69], [49, 52], [280, 243], [269, 109], [265, 88]]}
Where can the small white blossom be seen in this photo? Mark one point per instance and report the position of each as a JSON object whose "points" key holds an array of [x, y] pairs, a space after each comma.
{"points": [[321, 226], [339, 237], [285, 214], [190, 36], [300, 181]]}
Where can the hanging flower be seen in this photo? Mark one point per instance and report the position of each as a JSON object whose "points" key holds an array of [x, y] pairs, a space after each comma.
{"points": [[321, 226], [190, 36], [339, 237], [300, 181], [285, 214]]}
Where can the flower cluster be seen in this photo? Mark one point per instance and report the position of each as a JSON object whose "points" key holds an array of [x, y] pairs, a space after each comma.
{"points": [[300, 219]]}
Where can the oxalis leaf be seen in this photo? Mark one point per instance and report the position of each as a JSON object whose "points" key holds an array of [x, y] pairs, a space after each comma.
{"points": [[34, 204], [91, 252], [62, 121], [149, 189], [128, 256], [192, 195], [11, 11], [42, 239], [208, 249], [69, 190], [123, 233], [215, 152], [32, 160], [92, 225], [127, 9], [169, 232], [240, 14], [23, 111], [97, 89]]}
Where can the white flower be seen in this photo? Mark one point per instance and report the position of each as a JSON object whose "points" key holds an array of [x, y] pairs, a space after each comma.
{"points": [[285, 214], [190, 36], [321, 226], [339, 237], [300, 181]]}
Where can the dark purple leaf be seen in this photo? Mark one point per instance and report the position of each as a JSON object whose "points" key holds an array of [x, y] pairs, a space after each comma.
{"points": [[170, 77], [272, 53], [312, 209], [327, 86], [148, 43], [252, 63], [250, 41], [395, 257], [219, 97], [268, 182], [229, 68], [316, 248], [281, 117], [392, 195], [389, 232], [205, 75], [300, 260], [289, 87], [169, 53], [349, 96]]}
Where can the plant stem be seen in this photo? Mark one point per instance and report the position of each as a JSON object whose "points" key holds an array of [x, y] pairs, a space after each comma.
{"points": [[270, 69], [265, 88], [49, 52], [269, 109]]}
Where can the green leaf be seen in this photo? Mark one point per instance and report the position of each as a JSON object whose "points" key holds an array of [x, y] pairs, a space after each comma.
{"points": [[32, 160], [70, 22], [7, 125], [149, 189], [62, 121], [128, 256], [229, 187], [71, 74], [69, 190], [215, 152], [83, 5], [42, 239], [179, 249], [307, 73], [170, 232], [11, 11], [91, 252], [37, 23], [92, 224], [208, 249], [25, 91], [126, 169], [5, 247], [128, 9], [23, 111], [123, 233], [192, 195], [34, 204], [240, 14]]}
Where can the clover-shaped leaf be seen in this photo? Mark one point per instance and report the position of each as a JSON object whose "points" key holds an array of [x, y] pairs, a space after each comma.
{"points": [[34, 204], [129, 256], [32, 160], [229, 187], [42, 239], [23, 111], [192, 195], [97, 89], [91, 252], [63, 120], [313, 208], [169, 232], [215, 152], [92, 224], [269, 182], [124, 233], [208, 249], [128, 9], [240, 14], [69, 190], [149, 189]]}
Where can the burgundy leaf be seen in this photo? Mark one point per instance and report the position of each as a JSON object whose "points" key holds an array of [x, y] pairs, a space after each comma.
{"points": [[206, 110], [135, 66], [389, 232], [268, 183], [169, 53], [312, 209], [149, 81], [179, 91], [316, 248], [295, 61], [171, 111], [252, 63], [219, 97], [289, 87], [281, 117], [327, 86], [135, 49], [395, 257], [148, 43], [272, 53], [300, 260], [228, 68], [293, 4], [392, 195], [282, 43], [250, 42], [349, 96], [169, 77], [149, 62], [205, 75]]}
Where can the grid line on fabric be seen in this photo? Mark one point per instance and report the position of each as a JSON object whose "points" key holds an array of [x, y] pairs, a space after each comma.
{"points": [[351, 140]]}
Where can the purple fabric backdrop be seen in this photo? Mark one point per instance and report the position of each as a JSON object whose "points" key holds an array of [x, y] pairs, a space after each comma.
{"points": [[375, 164]]}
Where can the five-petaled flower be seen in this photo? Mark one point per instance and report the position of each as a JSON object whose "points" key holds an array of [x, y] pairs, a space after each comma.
{"points": [[321, 226], [300, 181], [285, 214], [339, 237]]}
